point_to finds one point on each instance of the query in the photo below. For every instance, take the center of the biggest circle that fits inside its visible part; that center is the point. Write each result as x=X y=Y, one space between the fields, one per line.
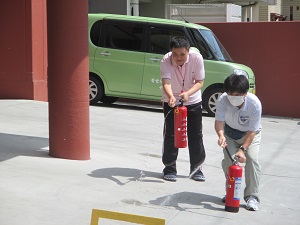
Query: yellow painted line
x=98 y=214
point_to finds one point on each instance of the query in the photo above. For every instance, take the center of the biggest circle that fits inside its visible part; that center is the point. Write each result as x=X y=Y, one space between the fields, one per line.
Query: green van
x=125 y=54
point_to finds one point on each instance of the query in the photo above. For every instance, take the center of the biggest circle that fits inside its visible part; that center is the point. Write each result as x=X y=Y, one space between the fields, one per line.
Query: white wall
x=156 y=8
x=108 y=6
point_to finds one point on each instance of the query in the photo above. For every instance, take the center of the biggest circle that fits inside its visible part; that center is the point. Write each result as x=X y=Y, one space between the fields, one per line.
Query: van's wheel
x=210 y=100
x=96 y=90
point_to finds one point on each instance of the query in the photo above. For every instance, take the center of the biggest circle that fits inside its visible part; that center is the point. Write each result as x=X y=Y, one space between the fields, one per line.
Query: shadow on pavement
x=131 y=106
x=129 y=173
x=190 y=198
x=12 y=145
x=138 y=105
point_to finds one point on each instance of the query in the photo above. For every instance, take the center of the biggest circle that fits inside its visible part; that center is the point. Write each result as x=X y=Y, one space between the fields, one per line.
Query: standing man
x=182 y=74
x=237 y=123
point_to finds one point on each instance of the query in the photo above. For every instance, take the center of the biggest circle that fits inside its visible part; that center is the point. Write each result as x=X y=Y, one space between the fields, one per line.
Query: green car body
x=125 y=54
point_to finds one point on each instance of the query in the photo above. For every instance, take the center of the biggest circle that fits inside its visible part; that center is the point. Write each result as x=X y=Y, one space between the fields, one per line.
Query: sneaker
x=170 y=177
x=252 y=204
x=198 y=176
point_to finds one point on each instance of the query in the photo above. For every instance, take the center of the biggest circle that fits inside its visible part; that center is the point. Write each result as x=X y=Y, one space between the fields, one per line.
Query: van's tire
x=108 y=99
x=96 y=90
x=210 y=100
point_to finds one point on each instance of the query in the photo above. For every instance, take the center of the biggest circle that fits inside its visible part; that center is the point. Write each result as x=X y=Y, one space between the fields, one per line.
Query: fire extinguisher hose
x=232 y=160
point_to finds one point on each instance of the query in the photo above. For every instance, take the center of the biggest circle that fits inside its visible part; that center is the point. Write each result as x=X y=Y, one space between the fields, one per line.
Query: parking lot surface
x=124 y=173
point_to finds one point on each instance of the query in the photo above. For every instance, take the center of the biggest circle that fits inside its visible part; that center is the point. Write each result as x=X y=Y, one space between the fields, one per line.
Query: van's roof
x=97 y=16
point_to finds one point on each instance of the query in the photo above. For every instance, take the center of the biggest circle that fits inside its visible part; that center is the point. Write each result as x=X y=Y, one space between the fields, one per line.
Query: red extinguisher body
x=180 y=126
x=233 y=187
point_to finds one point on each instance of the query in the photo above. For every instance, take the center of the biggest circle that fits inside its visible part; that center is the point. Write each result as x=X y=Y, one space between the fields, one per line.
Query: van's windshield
x=210 y=47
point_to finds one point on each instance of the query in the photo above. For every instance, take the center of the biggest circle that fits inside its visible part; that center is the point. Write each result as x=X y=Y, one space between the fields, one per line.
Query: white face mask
x=236 y=100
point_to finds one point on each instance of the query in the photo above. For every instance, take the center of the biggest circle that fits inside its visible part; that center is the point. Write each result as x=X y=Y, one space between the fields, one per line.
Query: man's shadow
x=129 y=173
x=189 y=198
x=174 y=200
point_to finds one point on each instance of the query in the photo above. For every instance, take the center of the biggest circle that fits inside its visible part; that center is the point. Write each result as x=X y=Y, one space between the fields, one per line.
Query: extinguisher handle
x=233 y=160
x=236 y=159
x=181 y=102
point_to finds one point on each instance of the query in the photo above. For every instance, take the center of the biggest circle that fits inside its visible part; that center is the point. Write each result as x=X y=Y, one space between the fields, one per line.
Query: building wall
x=275 y=8
x=155 y=8
x=286 y=4
x=272 y=55
x=23 y=44
x=266 y=10
x=263 y=13
x=108 y=6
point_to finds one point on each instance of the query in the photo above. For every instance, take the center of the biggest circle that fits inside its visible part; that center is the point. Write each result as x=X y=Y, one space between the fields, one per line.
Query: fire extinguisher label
x=237 y=188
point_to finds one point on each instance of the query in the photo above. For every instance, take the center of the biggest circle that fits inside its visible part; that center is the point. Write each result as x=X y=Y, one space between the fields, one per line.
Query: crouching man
x=238 y=125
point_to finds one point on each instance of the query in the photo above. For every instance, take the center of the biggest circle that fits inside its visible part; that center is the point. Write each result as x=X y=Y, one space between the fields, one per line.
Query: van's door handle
x=105 y=53
x=155 y=59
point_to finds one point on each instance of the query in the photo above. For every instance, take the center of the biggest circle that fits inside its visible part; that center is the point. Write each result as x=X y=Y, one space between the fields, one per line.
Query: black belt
x=234 y=133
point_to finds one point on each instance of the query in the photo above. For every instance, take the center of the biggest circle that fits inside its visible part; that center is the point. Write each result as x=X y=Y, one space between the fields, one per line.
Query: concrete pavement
x=124 y=172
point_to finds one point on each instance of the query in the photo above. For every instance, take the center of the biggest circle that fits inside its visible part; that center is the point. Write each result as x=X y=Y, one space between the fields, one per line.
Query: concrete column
x=244 y=14
x=68 y=89
x=135 y=7
x=128 y=7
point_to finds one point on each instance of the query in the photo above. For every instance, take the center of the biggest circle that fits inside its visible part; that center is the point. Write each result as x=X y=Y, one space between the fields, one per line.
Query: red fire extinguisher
x=180 y=125
x=233 y=186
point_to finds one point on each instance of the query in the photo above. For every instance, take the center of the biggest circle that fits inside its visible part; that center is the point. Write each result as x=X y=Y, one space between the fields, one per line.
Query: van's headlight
x=241 y=72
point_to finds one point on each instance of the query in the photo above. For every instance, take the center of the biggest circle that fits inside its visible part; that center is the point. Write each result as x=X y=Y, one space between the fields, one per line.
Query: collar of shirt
x=244 y=106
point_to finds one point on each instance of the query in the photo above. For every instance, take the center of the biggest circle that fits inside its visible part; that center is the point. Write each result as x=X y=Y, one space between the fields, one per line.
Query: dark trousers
x=195 y=141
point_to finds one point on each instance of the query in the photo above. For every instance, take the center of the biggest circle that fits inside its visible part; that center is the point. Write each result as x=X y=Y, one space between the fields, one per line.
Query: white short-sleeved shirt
x=192 y=69
x=247 y=118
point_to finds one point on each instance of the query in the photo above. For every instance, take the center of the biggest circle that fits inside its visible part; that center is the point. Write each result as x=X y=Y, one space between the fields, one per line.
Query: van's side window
x=123 y=37
x=160 y=40
x=95 y=32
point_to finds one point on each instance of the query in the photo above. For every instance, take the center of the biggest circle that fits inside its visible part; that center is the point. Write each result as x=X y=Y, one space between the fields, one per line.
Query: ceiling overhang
x=236 y=2
x=242 y=2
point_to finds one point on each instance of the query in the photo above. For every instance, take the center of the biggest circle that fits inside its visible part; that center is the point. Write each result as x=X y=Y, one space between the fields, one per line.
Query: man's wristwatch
x=242 y=148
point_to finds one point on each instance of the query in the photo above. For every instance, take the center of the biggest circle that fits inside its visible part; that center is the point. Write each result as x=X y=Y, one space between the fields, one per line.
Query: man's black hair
x=236 y=83
x=179 y=42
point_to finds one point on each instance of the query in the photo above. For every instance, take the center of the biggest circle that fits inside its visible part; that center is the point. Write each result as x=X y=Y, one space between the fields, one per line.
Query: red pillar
x=68 y=90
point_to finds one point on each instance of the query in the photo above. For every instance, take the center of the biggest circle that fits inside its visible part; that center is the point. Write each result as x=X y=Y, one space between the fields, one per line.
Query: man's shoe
x=198 y=176
x=170 y=177
x=252 y=204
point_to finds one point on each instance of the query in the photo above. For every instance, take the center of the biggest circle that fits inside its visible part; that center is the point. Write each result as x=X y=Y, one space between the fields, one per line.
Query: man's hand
x=222 y=141
x=184 y=96
x=241 y=156
x=172 y=101
x=219 y=127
